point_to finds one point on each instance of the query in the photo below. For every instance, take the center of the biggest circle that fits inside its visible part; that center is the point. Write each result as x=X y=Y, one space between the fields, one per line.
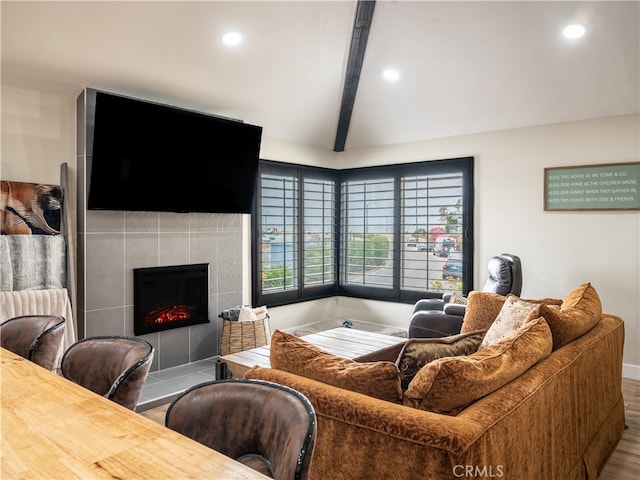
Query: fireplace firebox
x=170 y=297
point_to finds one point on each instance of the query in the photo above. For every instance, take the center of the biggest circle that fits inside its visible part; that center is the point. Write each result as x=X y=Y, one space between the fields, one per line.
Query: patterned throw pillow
x=417 y=352
x=458 y=299
x=514 y=314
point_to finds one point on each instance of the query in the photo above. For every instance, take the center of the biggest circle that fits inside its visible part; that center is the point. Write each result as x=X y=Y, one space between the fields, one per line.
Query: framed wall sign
x=612 y=186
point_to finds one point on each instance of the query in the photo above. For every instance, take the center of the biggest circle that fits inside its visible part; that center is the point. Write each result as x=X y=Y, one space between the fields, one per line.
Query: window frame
x=463 y=165
x=301 y=293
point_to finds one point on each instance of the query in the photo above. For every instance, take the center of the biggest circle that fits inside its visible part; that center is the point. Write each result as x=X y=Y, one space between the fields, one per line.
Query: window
x=294 y=250
x=390 y=233
x=406 y=230
x=367 y=234
x=432 y=220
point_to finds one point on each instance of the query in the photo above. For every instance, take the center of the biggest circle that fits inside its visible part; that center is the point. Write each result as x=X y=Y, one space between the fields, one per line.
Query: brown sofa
x=560 y=419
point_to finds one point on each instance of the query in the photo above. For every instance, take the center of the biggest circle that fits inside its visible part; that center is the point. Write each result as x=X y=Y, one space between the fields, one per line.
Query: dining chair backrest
x=115 y=367
x=269 y=427
x=35 y=337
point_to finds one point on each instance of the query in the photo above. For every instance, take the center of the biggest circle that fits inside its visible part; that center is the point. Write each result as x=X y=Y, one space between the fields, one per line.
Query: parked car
x=452 y=267
x=424 y=247
x=443 y=246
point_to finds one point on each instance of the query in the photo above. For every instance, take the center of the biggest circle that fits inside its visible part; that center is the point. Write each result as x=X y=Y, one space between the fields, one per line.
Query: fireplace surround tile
x=204 y=340
x=109 y=284
x=203 y=245
x=204 y=222
x=101 y=221
x=230 y=223
x=105 y=261
x=141 y=221
x=105 y=321
x=173 y=348
x=174 y=222
x=230 y=254
x=203 y=248
x=141 y=250
x=173 y=248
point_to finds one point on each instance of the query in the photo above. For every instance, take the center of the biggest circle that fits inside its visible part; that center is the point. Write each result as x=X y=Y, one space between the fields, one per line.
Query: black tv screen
x=152 y=157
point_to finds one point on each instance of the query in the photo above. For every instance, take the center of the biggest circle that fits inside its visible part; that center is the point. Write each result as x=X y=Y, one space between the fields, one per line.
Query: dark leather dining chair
x=35 y=337
x=436 y=317
x=115 y=367
x=268 y=427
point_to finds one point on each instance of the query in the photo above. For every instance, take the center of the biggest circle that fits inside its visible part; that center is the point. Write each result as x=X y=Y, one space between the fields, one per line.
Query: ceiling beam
x=361 y=27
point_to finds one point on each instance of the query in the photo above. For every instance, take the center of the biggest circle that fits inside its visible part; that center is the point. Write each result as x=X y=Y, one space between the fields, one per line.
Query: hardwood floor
x=624 y=463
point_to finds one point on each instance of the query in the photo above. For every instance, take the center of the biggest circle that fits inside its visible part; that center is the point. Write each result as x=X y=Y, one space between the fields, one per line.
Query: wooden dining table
x=54 y=429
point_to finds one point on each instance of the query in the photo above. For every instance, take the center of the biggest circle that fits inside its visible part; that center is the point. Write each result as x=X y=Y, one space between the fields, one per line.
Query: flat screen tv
x=152 y=157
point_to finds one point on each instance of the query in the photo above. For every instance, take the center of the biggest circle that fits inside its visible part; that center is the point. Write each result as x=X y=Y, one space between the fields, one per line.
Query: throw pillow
x=458 y=299
x=449 y=385
x=514 y=313
x=578 y=314
x=584 y=298
x=417 y=352
x=482 y=309
x=295 y=355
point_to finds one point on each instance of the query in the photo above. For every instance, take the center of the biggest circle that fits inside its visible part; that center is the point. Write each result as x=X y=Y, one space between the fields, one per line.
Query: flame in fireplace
x=168 y=314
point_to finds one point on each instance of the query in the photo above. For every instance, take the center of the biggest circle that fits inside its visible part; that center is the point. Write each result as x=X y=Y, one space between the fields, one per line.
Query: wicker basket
x=238 y=336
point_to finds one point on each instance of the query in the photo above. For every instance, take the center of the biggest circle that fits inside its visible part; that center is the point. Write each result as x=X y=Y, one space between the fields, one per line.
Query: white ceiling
x=465 y=67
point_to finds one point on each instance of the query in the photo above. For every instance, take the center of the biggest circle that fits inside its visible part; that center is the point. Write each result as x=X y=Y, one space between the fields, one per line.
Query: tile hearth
x=164 y=385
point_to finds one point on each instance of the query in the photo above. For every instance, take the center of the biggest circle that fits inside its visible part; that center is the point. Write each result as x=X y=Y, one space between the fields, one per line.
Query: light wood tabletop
x=54 y=429
x=359 y=345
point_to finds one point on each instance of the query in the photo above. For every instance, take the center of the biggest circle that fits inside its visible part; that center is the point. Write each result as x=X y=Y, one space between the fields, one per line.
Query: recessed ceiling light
x=390 y=75
x=574 y=31
x=232 y=39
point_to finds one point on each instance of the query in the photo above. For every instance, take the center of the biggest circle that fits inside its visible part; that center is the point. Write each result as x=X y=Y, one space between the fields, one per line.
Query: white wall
x=38 y=134
x=559 y=250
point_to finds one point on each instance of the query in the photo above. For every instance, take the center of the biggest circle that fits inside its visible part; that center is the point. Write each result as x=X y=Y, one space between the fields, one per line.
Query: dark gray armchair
x=436 y=317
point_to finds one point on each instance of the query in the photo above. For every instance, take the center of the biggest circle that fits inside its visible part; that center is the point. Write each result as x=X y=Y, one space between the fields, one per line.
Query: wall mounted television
x=152 y=157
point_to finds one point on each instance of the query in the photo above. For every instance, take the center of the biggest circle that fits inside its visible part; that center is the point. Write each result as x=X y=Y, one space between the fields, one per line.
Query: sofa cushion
x=578 y=314
x=449 y=385
x=417 y=352
x=482 y=309
x=514 y=313
x=295 y=355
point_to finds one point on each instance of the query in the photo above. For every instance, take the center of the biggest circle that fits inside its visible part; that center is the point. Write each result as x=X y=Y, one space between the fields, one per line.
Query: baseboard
x=631 y=371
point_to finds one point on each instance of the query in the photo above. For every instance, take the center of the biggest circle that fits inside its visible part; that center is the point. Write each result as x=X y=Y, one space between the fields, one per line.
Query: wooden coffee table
x=358 y=345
